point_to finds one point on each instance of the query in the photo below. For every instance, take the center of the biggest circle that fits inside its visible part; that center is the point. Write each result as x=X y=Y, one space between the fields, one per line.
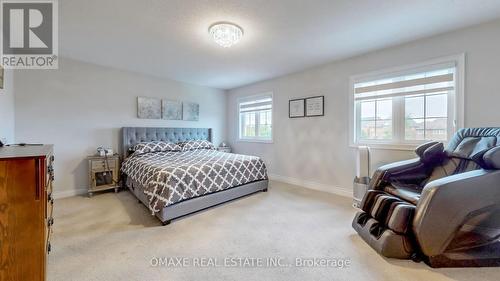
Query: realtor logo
x=29 y=34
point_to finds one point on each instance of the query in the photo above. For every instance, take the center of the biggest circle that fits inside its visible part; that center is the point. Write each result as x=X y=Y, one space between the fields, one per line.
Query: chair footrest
x=391 y=212
x=383 y=240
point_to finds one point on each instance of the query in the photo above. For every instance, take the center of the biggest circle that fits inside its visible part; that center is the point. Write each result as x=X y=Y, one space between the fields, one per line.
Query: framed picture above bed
x=171 y=109
x=1 y=78
x=148 y=108
x=315 y=106
x=296 y=108
x=190 y=111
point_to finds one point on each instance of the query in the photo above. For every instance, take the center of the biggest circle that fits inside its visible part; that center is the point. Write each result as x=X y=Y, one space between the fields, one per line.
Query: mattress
x=171 y=177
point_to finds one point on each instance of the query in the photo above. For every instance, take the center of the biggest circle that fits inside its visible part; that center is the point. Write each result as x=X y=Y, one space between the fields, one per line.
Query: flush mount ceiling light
x=225 y=34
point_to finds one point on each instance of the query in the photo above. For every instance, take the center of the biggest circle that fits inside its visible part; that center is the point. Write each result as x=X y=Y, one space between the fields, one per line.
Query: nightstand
x=224 y=149
x=104 y=173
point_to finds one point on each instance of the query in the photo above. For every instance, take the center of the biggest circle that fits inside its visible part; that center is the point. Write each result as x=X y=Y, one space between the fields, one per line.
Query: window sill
x=255 y=140
x=386 y=146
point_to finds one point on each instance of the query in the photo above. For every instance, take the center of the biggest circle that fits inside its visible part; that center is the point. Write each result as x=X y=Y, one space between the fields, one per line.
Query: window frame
x=255 y=139
x=455 y=120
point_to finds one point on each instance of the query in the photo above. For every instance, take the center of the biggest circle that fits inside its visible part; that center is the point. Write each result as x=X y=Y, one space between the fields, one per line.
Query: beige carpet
x=111 y=237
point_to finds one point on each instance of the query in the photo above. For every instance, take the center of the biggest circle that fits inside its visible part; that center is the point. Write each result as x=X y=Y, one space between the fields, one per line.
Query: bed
x=175 y=184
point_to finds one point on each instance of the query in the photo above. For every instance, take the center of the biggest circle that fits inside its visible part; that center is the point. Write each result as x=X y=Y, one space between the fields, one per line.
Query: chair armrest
x=421 y=148
x=446 y=203
x=401 y=171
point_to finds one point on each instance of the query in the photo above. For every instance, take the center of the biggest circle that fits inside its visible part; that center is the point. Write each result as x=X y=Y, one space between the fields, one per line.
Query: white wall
x=7 y=108
x=82 y=106
x=315 y=151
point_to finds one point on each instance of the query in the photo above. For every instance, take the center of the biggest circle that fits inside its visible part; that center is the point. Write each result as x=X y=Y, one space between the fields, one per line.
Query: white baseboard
x=69 y=193
x=313 y=185
x=304 y=183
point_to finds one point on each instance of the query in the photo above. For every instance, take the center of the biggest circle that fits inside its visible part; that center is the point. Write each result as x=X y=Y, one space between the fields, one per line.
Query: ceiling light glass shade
x=225 y=34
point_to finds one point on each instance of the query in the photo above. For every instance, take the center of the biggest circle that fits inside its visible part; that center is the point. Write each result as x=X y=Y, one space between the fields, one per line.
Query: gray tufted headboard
x=134 y=135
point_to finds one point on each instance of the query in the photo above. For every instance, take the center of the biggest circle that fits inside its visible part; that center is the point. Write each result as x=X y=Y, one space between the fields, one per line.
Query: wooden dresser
x=26 y=175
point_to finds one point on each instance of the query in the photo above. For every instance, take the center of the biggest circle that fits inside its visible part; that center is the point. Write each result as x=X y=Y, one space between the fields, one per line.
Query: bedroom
x=300 y=91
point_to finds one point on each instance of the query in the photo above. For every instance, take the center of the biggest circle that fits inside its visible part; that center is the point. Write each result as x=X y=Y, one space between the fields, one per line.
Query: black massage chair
x=442 y=207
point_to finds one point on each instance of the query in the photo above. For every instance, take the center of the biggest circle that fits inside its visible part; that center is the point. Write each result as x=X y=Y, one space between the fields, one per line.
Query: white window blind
x=255 y=115
x=260 y=104
x=406 y=107
x=431 y=81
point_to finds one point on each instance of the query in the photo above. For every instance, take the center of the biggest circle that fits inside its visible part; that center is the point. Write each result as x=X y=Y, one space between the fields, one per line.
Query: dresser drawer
x=25 y=178
x=101 y=164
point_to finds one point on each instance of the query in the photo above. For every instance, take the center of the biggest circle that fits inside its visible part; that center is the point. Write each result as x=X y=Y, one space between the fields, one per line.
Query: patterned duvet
x=171 y=177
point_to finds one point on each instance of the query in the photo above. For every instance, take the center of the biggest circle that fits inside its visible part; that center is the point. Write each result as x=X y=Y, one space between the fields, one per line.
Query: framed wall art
x=171 y=110
x=190 y=111
x=148 y=108
x=296 y=108
x=315 y=106
x=1 y=78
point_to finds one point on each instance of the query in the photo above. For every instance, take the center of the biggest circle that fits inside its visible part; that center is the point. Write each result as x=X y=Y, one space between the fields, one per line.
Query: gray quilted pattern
x=155 y=146
x=197 y=144
x=171 y=177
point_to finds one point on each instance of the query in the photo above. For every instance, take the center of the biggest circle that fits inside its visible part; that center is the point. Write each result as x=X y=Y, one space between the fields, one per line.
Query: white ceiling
x=169 y=38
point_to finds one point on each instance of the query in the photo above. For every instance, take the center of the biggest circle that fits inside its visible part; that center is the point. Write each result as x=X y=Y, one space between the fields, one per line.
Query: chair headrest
x=472 y=143
x=492 y=158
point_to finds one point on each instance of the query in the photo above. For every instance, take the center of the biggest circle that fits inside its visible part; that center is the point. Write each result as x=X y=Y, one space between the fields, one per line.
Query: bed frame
x=134 y=135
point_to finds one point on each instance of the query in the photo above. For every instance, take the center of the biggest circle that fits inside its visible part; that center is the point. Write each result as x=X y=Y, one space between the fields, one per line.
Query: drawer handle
x=50 y=169
x=50 y=199
x=50 y=221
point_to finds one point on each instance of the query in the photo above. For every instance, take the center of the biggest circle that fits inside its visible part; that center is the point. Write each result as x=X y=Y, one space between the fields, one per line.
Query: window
x=407 y=106
x=256 y=118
